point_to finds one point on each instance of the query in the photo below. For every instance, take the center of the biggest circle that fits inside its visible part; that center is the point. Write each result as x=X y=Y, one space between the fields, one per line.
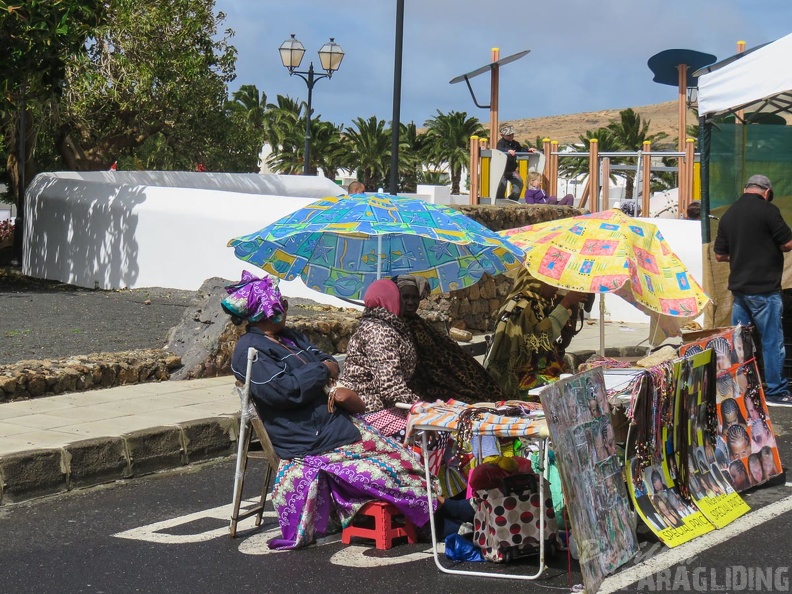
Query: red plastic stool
x=382 y=522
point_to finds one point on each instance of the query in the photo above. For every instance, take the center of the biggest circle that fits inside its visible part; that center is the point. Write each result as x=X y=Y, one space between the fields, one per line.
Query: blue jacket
x=289 y=396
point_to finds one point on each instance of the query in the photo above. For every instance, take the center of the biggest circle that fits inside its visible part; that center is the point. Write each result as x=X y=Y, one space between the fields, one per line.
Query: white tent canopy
x=759 y=81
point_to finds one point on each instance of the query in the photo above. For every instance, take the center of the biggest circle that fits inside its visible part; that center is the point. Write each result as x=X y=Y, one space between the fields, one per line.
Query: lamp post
x=330 y=55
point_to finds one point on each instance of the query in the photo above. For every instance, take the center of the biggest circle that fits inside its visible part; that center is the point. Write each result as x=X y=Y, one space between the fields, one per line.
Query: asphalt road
x=169 y=533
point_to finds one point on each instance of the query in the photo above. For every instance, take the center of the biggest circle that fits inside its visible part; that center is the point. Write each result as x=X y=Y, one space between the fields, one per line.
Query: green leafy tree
x=38 y=38
x=448 y=141
x=154 y=69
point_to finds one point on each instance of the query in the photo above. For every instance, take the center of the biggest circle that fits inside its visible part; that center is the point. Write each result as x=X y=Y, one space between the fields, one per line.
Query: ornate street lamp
x=330 y=56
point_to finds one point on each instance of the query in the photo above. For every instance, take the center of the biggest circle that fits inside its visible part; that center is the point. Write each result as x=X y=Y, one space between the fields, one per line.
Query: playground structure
x=486 y=167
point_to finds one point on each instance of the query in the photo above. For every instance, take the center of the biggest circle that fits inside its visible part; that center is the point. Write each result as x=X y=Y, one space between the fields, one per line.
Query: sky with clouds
x=584 y=55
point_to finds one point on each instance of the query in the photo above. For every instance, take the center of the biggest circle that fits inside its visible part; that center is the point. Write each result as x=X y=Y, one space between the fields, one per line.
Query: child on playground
x=536 y=195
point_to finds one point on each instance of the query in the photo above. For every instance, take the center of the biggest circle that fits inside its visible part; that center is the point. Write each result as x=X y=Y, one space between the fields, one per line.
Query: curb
x=88 y=463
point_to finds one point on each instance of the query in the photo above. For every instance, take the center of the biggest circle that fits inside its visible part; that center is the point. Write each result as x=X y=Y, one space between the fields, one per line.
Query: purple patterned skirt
x=311 y=491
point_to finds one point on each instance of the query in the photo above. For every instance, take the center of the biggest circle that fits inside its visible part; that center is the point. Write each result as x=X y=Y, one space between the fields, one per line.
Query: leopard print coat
x=380 y=360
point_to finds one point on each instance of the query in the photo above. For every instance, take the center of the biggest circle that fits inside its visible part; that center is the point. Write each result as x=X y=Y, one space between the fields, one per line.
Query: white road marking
x=684 y=552
x=153 y=532
x=256 y=543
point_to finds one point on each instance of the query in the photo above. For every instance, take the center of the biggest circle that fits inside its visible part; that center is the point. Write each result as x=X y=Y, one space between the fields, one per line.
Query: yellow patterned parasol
x=609 y=252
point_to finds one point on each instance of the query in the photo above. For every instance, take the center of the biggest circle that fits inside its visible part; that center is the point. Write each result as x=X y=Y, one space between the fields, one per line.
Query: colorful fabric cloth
x=340 y=245
x=381 y=360
x=310 y=492
x=445 y=416
x=253 y=299
x=611 y=252
x=390 y=422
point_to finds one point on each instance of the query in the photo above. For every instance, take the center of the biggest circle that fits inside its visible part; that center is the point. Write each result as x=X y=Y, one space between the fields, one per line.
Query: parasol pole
x=379 y=256
x=602 y=325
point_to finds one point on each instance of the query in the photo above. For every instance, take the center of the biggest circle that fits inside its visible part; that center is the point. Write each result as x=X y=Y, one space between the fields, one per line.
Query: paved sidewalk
x=58 y=443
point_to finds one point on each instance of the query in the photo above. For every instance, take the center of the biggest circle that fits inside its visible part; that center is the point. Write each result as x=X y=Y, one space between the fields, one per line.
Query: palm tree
x=411 y=148
x=537 y=144
x=630 y=131
x=369 y=150
x=249 y=105
x=448 y=141
x=327 y=148
x=281 y=119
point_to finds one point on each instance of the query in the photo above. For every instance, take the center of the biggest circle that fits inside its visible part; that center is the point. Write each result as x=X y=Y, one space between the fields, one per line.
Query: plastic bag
x=459 y=548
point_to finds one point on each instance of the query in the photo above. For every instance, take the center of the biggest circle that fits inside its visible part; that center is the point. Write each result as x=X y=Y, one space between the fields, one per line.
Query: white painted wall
x=116 y=230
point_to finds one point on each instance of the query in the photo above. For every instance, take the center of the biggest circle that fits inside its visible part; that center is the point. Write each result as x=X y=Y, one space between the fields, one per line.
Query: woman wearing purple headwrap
x=331 y=464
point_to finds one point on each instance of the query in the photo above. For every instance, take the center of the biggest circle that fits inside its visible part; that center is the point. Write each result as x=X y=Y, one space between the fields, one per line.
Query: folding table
x=444 y=416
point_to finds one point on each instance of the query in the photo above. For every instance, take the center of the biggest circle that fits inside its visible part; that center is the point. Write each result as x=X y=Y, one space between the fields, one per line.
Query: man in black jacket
x=511 y=147
x=752 y=236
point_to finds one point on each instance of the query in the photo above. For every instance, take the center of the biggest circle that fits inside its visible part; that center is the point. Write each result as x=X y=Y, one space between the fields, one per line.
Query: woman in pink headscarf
x=381 y=359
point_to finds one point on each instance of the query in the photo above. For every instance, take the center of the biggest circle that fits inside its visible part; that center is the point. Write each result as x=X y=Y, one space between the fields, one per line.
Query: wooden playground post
x=682 y=178
x=605 y=183
x=494 y=84
x=473 y=170
x=690 y=158
x=682 y=106
x=646 y=180
x=553 y=181
x=584 y=194
x=594 y=174
x=548 y=164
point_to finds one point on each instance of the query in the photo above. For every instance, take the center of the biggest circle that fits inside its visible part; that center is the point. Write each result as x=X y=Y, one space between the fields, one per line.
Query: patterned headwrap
x=383 y=293
x=254 y=299
x=419 y=282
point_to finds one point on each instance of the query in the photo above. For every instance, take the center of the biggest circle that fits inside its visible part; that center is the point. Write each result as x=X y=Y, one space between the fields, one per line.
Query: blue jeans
x=765 y=312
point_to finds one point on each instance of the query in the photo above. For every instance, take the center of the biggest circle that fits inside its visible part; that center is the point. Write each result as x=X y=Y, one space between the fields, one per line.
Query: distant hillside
x=567 y=128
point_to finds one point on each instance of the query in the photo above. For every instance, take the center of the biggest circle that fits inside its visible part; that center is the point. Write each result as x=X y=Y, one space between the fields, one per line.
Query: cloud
x=585 y=56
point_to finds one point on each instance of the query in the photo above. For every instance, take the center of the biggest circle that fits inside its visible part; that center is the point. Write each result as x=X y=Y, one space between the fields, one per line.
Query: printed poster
x=745 y=446
x=652 y=480
x=709 y=488
x=579 y=420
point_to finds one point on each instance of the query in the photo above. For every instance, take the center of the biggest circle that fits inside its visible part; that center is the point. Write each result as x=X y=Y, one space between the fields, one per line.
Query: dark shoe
x=783 y=400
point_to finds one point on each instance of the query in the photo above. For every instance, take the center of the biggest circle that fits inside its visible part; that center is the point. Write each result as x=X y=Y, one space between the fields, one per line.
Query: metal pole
x=18 y=247
x=397 y=71
x=307 y=162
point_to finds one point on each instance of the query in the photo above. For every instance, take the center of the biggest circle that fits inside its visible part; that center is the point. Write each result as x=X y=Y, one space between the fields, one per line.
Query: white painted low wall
x=114 y=230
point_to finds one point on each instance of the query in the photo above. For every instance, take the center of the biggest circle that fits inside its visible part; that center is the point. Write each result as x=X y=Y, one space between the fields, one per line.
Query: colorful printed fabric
x=340 y=245
x=312 y=492
x=390 y=422
x=253 y=298
x=611 y=252
x=445 y=416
